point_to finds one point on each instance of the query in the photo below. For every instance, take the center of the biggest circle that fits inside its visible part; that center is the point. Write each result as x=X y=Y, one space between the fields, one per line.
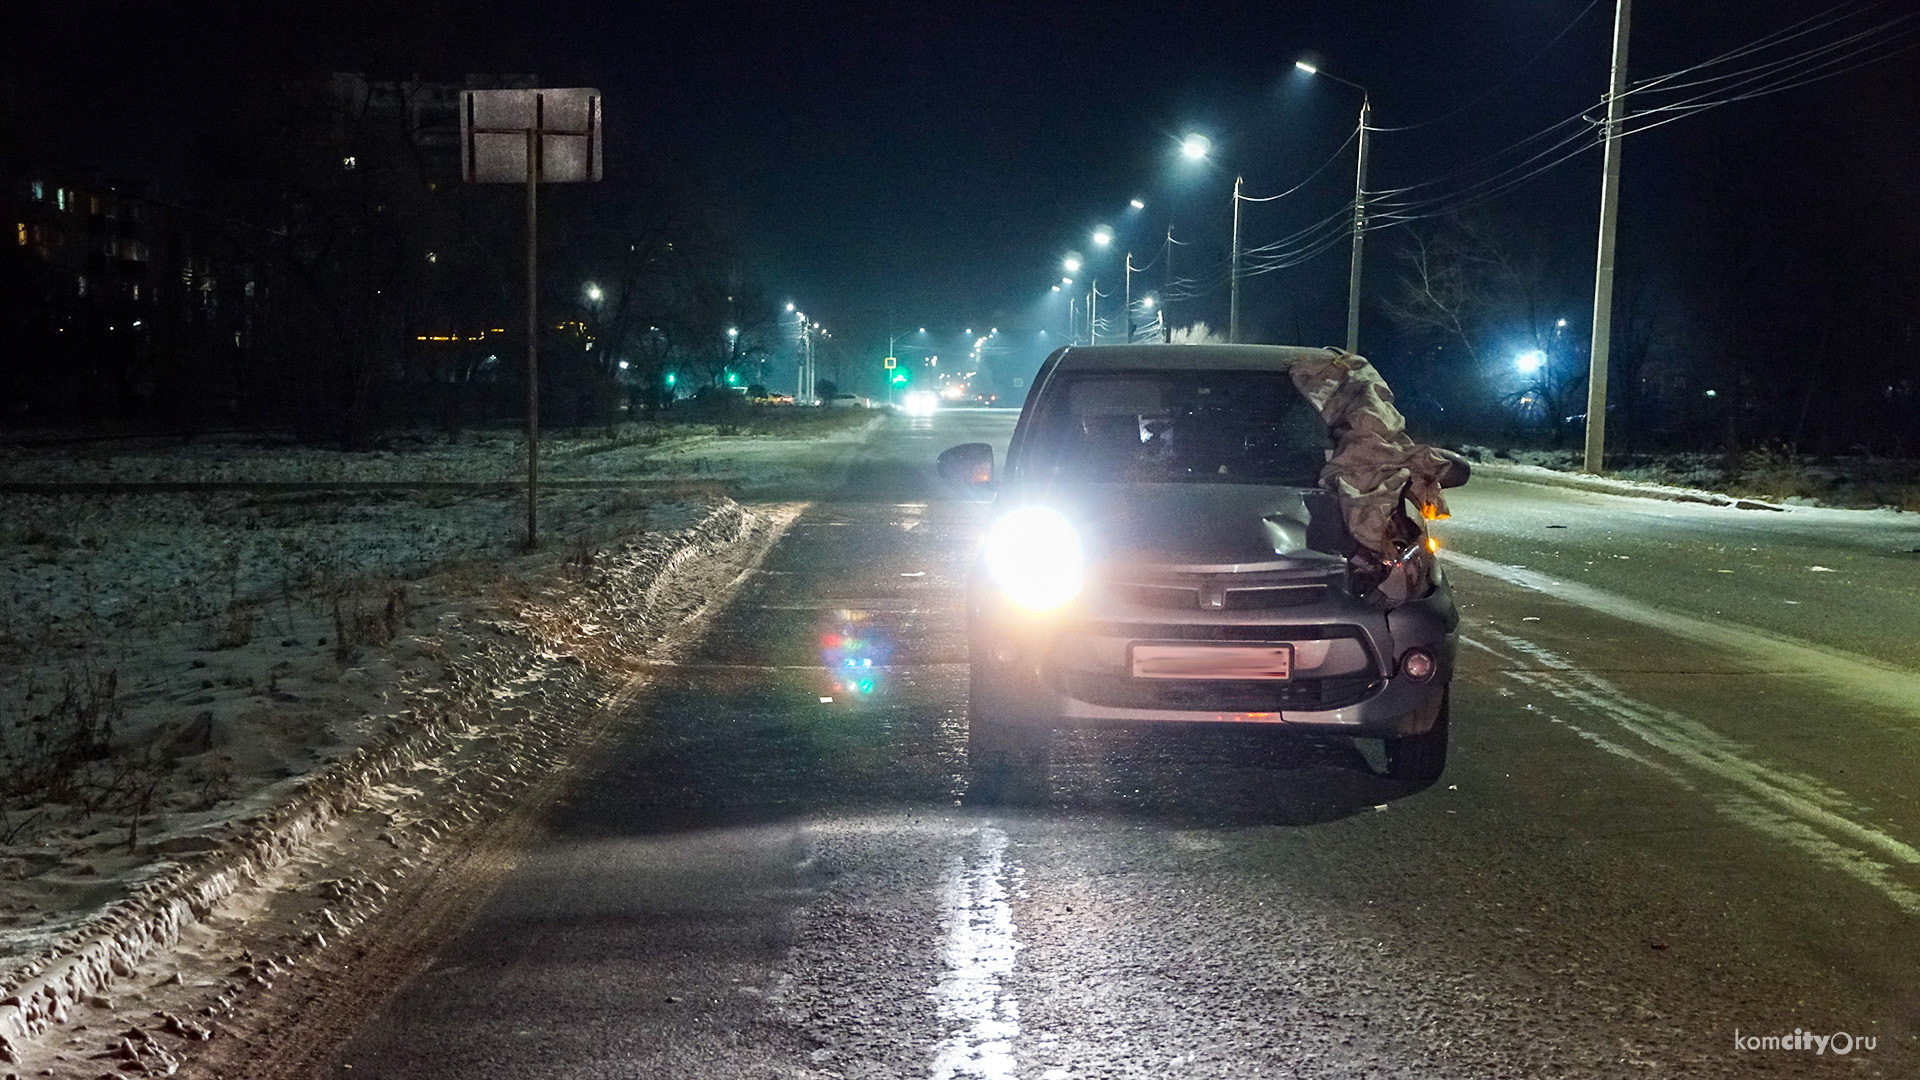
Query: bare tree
x=1474 y=283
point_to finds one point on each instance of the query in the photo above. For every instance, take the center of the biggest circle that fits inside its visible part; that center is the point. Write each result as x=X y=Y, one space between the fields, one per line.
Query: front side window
x=1158 y=427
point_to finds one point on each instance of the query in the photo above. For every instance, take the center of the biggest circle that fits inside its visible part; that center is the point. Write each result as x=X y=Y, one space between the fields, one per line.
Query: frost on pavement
x=269 y=663
x=980 y=1014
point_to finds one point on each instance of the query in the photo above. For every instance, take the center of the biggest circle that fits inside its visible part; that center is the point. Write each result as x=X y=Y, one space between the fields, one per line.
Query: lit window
x=23 y=234
x=347 y=162
x=83 y=284
x=60 y=197
x=39 y=191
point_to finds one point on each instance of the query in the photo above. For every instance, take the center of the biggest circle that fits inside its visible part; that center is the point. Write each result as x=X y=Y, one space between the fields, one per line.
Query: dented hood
x=1201 y=525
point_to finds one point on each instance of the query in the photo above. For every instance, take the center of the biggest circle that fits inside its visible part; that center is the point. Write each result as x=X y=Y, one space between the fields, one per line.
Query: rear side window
x=1146 y=427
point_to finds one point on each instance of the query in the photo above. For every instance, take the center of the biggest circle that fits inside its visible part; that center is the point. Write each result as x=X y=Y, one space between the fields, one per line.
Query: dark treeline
x=1748 y=312
x=322 y=270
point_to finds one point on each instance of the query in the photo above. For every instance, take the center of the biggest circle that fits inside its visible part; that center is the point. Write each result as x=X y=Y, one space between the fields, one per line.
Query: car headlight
x=1034 y=556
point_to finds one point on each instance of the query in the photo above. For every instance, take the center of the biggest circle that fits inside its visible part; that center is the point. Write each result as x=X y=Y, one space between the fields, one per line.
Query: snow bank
x=502 y=661
x=249 y=665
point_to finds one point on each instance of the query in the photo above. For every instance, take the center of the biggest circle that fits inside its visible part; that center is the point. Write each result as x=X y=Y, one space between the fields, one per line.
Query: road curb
x=1606 y=485
x=91 y=959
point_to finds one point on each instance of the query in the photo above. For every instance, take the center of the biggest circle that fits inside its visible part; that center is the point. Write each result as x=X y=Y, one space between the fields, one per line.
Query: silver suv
x=1163 y=551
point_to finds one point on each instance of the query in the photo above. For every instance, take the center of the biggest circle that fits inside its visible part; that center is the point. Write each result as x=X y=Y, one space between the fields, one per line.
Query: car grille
x=1219 y=592
x=1157 y=596
x=1123 y=692
x=1273 y=597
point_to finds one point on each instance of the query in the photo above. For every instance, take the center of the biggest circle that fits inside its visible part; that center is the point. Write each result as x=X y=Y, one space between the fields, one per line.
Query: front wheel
x=1008 y=762
x=1418 y=760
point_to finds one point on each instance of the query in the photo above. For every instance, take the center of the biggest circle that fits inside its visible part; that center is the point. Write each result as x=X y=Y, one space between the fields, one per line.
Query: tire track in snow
x=1863 y=679
x=981 y=1016
x=1818 y=820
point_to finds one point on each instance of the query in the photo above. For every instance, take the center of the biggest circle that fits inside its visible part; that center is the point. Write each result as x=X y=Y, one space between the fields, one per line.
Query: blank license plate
x=1213 y=661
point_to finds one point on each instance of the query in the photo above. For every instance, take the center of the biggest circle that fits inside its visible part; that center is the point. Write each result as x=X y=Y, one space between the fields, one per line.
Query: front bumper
x=1073 y=668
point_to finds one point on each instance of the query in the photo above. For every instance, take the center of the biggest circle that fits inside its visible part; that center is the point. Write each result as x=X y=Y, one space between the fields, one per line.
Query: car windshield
x=1231 y=427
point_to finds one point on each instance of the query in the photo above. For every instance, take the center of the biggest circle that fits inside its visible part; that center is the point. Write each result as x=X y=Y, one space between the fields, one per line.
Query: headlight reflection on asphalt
x=1034 y=555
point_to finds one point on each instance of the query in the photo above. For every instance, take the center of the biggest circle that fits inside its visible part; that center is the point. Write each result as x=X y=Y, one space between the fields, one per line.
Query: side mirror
x=1457 y=470
x=968 y=463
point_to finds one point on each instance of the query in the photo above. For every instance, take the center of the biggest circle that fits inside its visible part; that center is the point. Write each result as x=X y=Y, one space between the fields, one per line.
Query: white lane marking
x=982 y=1016
x=1865 y=680
x=1799 y=810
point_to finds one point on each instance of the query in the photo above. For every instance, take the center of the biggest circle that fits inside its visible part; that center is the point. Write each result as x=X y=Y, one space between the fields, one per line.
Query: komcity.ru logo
x=1839 y=1042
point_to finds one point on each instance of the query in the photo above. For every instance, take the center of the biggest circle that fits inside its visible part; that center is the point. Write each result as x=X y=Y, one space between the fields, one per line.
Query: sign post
x=530 y=137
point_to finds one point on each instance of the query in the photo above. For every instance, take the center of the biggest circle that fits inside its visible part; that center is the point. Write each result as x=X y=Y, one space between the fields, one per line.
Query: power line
x=1512 y=75
x=1337 y=154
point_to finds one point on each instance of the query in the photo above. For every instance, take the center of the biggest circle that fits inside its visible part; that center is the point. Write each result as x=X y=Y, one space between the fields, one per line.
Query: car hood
x=1197 y=526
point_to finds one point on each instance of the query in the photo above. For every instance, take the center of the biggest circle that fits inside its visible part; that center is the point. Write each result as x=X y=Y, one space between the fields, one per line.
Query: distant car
x=920 y=403
x=1163 y=552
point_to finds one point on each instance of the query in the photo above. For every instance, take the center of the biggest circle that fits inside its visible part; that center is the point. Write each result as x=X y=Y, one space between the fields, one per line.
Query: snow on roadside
x=1774 y=478
x=177 y=668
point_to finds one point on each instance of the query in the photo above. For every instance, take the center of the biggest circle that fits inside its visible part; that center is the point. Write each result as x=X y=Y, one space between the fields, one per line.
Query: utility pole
x=534 y=173
x=1129 y=300
x=1603 y=268
x=1233 y=276
x=1166 y=290
x=1359 y=230
x=1093 y=311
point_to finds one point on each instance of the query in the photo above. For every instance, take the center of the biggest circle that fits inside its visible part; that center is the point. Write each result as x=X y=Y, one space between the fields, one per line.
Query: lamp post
x=1359 y=204
x=1233 y=275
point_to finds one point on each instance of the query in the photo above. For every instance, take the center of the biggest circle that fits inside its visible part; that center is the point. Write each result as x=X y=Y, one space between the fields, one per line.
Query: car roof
x=1187 y=357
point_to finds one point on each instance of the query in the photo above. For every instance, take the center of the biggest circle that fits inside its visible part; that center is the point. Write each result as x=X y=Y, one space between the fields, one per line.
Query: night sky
x=928 y=164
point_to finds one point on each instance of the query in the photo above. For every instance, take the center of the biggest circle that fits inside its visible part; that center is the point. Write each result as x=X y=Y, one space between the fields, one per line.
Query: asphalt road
x=1680 y=814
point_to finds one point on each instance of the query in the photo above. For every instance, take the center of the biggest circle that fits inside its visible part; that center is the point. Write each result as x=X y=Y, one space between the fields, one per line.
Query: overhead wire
x=1785 y=33
x=1337 y=155
x=1790 y=84
x=1497 y=87
x=1570 y=137
x=1808 y=66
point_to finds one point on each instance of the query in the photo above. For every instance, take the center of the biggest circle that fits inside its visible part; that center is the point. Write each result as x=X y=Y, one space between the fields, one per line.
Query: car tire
x=1418 y=760
x=1008 y=762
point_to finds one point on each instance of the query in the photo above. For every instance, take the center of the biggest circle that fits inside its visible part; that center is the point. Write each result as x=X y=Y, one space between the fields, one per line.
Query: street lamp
x=1530 y=362
x=1359 y=204
x=1103 y=236
x=1136 y=204
x=1196 y=147
x=593 y=292
x=1071 y=263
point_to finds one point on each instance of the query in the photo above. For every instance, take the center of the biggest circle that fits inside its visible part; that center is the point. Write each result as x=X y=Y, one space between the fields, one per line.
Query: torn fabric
x=1375 y=464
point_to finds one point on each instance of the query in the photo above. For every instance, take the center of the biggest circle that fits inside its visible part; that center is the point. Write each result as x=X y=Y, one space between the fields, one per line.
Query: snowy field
x=175 y=659
x=1856 y=483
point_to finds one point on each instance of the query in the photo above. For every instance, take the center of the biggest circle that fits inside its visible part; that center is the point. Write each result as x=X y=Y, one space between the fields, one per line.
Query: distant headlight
x=1034 y=556
x=921 y=403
